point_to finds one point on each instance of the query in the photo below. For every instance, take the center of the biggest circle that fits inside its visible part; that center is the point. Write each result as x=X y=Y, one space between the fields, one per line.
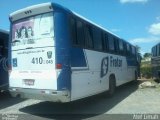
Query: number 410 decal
x=40 y=60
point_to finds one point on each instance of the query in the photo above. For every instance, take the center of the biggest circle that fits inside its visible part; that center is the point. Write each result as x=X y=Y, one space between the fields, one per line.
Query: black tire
x=112 y=86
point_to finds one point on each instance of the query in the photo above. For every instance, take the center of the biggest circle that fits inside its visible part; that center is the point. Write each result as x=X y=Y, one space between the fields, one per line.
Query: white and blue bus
x=4 y=38
x=57 y=55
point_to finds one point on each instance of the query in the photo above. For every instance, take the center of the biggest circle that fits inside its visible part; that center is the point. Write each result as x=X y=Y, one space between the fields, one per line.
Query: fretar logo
x=109 y=61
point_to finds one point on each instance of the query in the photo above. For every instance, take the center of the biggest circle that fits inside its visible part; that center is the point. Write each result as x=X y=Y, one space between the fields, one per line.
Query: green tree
x=146 y=55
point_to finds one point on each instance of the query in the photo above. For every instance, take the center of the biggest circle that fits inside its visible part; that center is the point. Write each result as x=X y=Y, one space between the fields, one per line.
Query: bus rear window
x=32 y=30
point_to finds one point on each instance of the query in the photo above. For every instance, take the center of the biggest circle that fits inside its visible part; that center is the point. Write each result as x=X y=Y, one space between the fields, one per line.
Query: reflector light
x=58 y=66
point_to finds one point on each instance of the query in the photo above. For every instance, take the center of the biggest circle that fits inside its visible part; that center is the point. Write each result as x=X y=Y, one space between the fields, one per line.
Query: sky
x=136 y=21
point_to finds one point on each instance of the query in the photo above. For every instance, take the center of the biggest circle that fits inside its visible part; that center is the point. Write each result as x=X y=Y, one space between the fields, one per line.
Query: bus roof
x=155 y=45
x=4 y=31
x=18 y=12
x=16 y=15
x=94 y=23
x=26 y=12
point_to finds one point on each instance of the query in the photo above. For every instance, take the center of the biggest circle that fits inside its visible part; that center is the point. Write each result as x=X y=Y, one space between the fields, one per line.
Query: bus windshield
x=36 y=31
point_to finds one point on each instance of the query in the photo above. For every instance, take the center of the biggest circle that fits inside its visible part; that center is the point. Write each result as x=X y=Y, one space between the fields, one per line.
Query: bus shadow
x=81 y=109
x=6 y=100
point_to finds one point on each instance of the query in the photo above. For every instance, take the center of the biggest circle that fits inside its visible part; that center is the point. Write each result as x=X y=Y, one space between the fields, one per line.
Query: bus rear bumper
x=47 y=95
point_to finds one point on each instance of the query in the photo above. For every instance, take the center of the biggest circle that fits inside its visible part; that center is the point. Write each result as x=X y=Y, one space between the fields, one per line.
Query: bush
x=146 y=71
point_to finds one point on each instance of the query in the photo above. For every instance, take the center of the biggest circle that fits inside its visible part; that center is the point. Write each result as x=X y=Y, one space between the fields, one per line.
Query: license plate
x=29 y=82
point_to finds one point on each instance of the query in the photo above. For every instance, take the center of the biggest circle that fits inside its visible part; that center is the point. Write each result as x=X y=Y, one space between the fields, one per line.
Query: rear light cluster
x=58 y=66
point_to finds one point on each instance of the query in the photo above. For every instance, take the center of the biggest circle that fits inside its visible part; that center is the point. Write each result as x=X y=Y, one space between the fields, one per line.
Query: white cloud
x=133 y=1
x=145 y=40
x=155 y=29
x=158 y=18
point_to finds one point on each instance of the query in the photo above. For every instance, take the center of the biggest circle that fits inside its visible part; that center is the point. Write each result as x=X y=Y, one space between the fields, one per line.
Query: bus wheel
x=112 y=85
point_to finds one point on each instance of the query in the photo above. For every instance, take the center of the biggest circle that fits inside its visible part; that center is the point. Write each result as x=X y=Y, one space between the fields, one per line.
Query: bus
x=60 y=56
x=4 y=38
x=155 y=62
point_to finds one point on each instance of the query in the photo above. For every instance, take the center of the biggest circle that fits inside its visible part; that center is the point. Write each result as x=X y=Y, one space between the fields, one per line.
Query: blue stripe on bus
x=66 y=55
x=62 y=51
x=78 y=58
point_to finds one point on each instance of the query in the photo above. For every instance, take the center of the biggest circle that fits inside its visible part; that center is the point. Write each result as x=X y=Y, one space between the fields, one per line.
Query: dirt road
x=128 y=99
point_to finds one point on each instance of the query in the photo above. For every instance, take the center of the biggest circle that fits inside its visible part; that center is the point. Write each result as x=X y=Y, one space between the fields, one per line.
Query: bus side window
x=88 y=37
x=133 y=51
x=111 y=44
x=73 y=31
x=152 y=51
x=116 y=45
x=80 y=33
x=128 y=49
x=125 y=48
x=121 y=47
x=105 y=42
x=157 y=50
x=97 y=38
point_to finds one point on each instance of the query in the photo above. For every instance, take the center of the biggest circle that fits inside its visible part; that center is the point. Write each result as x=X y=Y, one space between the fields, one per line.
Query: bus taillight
x=58 y=66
